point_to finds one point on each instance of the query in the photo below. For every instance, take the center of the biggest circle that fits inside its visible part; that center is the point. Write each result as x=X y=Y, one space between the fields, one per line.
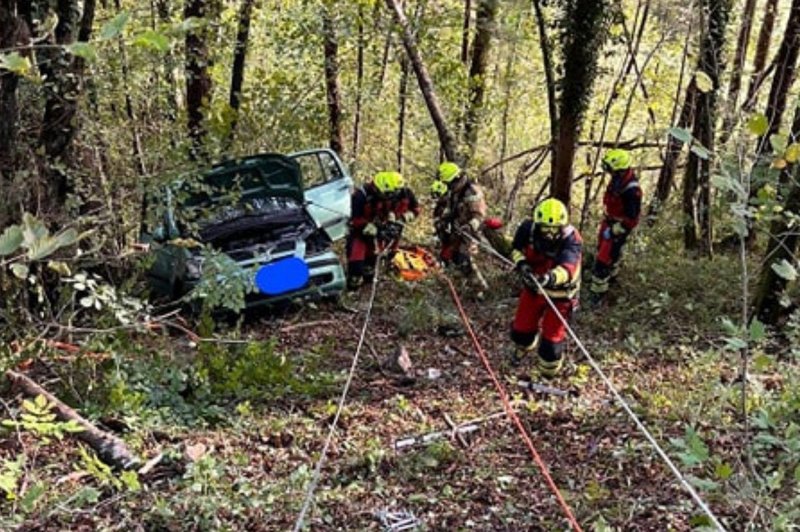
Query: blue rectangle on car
x=282 y=276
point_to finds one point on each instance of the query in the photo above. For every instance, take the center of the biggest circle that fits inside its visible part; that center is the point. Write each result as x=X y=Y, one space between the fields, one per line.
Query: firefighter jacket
x=368 y=206
x=464 y=203
x=623 y=199
x=561 y=257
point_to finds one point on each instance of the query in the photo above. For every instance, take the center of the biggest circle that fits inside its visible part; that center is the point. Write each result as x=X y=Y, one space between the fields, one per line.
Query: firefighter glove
x=526 y=275
x=547 y=280
x=391 y=231
x=391 y=217
x=475 y=225
x=370 y=230
x=408 y=216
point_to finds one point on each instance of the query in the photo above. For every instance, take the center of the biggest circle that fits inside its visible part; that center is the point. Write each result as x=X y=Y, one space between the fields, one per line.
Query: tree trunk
x=783 y=246
x=198 y=79
x=239 y=57
x=465 y=31
x=401 y=112
x=785 y=67
x=446 y=139
x=735 y=84
x=583 y=35
x=13 y=32
x=762 y=51
x=508 y=81
x=550 y=81
x=332 y=79
x=666 y=176
x=109 y=447
x=63 y=75
x=359 y=87
x=697 y=179
x=485 y=27
x=173 y=96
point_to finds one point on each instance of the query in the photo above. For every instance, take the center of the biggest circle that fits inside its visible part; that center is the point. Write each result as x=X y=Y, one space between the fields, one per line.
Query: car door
x=327 y=189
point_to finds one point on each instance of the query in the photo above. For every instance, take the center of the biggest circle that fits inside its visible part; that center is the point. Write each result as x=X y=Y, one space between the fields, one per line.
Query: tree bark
x=359 y=87
x=762 y=51
x=465 y=31
x=109 y=448
x=13 y=32
x=666 y=176
x=332 y=79
x=735 y=84
x=550 y=81
x=783 y=245
x=239 y=57
x=446 y=139
x=697 y=180
x=64 y=75
x=485 y=27
x=785 y=64
x=198 y=79
x=401 y=112
x=582 y=39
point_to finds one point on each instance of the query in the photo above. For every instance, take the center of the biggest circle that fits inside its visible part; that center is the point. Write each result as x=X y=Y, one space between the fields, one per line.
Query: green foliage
x=223 y=283
x=10 y=473
x=14 y=62
x=257 y=371
x=103 y=474
x=38 y=419
x=113 y=28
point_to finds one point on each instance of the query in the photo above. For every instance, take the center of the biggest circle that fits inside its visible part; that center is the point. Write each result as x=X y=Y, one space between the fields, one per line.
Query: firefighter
x=458 y=218
x=548 y=250
x=622 y=205
x=379 y=211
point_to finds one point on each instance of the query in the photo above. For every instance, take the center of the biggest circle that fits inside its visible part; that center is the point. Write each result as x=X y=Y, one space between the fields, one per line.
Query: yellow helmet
x=388 y=182
x=551 y=212
x=438 y=189
x=616 y=160
x=448 y=171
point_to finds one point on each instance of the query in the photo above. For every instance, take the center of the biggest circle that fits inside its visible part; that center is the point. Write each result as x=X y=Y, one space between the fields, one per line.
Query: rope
x=318 y=469
x=508 y=408
x=675 y=471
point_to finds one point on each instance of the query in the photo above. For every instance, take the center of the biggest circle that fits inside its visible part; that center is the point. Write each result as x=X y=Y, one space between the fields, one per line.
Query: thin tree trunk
x=550 y=81
x=332 y=79
x=735 y=84
x=697 y=181
x=237 y=71
x=173 y=99
x=447 y=140
x=508 y=86
x=762 y=51
x=359 y=87
x=465 y=31
x=401 y=112
x=198 y=79
x=481 y=48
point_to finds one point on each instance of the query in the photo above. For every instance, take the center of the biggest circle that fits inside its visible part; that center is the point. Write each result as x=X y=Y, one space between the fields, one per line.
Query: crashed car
x=272 y=214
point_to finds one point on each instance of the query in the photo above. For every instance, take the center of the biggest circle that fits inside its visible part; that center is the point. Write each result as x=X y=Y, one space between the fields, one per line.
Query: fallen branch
x=304 y=325
x=109 y=448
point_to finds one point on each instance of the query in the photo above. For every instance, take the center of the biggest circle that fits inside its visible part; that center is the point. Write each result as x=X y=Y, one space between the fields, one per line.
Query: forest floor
x=241 y=419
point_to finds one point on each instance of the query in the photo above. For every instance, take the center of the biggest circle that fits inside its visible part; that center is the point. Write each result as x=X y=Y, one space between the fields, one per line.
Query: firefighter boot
x=547 y=369
x=520 y=353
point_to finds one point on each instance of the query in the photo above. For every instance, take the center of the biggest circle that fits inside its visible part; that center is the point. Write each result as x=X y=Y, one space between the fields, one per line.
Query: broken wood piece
x=459 y=436
x=463 y=428
x=150 y=464
x=109 y=448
